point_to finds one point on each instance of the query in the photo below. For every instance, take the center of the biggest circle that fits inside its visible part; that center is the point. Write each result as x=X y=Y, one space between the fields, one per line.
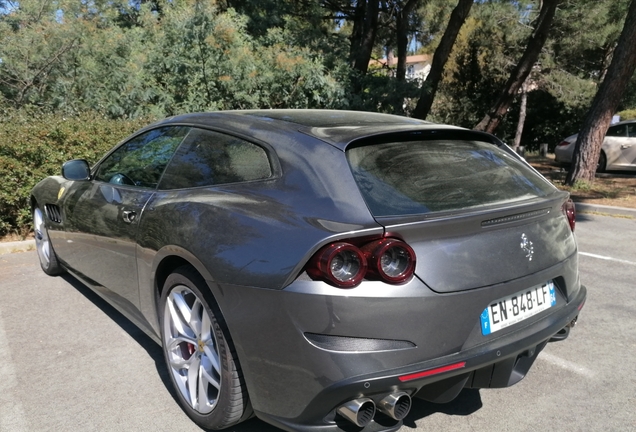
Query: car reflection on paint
x=318 y=269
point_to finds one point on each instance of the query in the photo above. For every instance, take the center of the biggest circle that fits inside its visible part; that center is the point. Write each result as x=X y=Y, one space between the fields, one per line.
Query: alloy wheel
x=42 y=242
x=192 y=349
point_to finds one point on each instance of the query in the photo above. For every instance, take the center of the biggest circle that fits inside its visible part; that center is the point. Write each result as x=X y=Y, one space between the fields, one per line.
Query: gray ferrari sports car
x=319 y=269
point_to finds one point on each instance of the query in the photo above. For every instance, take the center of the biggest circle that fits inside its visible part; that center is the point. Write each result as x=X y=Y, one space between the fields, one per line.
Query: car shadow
x=468 y=401
x=146 y=342
x=153 y=349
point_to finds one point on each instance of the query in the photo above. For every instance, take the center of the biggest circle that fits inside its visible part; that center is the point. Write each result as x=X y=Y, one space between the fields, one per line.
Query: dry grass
x=613 y=188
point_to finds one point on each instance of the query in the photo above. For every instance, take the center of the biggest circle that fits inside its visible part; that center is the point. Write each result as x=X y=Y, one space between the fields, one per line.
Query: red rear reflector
x=430 y=372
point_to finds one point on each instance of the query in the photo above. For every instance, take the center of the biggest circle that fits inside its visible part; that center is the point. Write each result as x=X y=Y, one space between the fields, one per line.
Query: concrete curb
x=605 y=210
x=17 y=246
x=28 y=245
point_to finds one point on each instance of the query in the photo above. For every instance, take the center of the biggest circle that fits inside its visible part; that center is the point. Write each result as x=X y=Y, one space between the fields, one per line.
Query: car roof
x=336 y=127
x=623 y=122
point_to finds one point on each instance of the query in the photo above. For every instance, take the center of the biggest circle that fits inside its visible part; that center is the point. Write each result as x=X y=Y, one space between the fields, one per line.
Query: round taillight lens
x=391 y=260
x=341 y=264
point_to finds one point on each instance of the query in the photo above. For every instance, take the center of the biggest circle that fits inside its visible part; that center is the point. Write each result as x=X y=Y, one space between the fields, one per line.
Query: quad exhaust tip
x=395 y=405
x=360 y=412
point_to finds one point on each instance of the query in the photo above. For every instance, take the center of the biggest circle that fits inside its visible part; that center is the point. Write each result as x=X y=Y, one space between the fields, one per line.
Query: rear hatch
x=474 y=213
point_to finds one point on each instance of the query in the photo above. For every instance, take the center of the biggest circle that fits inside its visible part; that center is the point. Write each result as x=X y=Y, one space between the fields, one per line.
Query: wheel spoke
x=207 y=376
x=177 y=306
x=182 y=306
x=213 y=357
x=206 y=327
x=204 y=403
x=193 y=375
x=195 y=320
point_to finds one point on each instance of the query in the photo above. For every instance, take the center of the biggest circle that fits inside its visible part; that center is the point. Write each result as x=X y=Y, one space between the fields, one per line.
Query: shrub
x=629 y=114
x=35 y=146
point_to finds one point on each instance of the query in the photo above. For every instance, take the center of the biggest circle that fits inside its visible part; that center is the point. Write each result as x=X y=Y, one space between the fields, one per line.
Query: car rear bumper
x=299 y=367
x=500 y=363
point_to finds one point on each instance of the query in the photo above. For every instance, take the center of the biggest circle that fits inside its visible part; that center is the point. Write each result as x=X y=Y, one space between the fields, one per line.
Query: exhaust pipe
x=358 y=411
x=395 y=405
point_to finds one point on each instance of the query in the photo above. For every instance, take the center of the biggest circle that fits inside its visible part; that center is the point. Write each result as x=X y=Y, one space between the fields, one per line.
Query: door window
x=142 y=160
x=616 y=131
x=209 y=158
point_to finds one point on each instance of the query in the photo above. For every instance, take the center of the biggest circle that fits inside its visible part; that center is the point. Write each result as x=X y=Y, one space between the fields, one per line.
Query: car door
x=102 y=215
x=628 y=148
x=615 y=138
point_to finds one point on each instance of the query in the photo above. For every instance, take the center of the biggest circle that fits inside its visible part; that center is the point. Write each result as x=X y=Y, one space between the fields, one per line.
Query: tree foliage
x=158 y=58
x=132 y=59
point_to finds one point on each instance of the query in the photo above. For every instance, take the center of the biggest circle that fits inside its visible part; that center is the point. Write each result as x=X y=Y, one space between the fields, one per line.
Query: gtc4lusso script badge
x=510 y=310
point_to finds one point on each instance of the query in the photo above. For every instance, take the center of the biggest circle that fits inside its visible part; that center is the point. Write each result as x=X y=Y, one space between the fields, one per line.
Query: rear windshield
x=415 y=177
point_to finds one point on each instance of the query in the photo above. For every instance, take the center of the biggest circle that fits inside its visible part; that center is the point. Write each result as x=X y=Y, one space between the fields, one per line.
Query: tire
x=46 y=254
x=194 y=333
x=602 y=163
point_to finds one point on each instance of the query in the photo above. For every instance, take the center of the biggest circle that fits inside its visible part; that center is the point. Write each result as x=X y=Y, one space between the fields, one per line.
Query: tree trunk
x=519 y=74
x=356 y=32
x=588 y=144
x=430 y=85
x=522 y=117
x=402 y=30
x=369 y=29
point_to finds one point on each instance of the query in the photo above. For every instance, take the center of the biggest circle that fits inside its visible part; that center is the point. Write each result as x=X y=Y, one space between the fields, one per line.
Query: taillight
x=563 y=143
x=570 y=212
x=344 y=265
x=341 y=264
x=390 y=260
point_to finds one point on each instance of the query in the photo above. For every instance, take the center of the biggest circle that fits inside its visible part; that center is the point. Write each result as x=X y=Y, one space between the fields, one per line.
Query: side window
x=142 y=160
x=631 y=130
x=210 y=158
x=616 y=131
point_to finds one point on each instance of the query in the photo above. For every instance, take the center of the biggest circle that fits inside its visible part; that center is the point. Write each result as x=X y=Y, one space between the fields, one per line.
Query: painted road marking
x=566 y=364
x=607 y=258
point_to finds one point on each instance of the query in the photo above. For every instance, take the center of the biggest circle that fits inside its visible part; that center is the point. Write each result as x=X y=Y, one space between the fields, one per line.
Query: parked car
x=618 y=151
x=318 y=269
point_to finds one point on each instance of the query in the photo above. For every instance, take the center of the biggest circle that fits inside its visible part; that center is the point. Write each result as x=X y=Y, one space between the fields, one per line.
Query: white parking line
x=607 y=258
x=11 y=413
x=566 y=364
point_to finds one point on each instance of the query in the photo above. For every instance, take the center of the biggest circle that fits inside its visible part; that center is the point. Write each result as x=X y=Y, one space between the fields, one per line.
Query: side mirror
x=76 y=169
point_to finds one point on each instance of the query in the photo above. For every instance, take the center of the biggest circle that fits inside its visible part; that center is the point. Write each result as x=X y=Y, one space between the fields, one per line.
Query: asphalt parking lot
x=68 y=361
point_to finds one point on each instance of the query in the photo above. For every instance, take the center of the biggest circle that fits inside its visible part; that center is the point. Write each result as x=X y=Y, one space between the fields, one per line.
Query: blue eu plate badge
x=510 y=310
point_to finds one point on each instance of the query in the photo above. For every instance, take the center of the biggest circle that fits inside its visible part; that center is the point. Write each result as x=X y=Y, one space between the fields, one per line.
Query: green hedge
x=35 y=146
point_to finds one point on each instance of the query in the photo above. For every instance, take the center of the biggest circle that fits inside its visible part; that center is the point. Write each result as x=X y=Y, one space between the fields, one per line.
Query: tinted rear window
x=415 y=177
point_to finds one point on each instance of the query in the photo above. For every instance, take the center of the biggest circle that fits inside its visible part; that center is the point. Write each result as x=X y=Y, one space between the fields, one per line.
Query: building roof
x=392 y=61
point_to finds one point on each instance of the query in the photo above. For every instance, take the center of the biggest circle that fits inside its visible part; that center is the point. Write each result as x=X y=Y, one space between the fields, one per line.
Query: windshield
x=415 y=177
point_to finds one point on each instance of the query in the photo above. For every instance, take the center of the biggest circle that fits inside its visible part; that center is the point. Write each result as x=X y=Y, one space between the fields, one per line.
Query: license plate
x=512 y=309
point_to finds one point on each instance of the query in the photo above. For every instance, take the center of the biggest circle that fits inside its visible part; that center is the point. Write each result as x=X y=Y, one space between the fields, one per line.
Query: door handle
x=128 y=216
x=626 y=146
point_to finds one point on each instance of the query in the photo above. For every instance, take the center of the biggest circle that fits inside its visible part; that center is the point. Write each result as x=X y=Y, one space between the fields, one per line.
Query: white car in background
x=617 y=153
